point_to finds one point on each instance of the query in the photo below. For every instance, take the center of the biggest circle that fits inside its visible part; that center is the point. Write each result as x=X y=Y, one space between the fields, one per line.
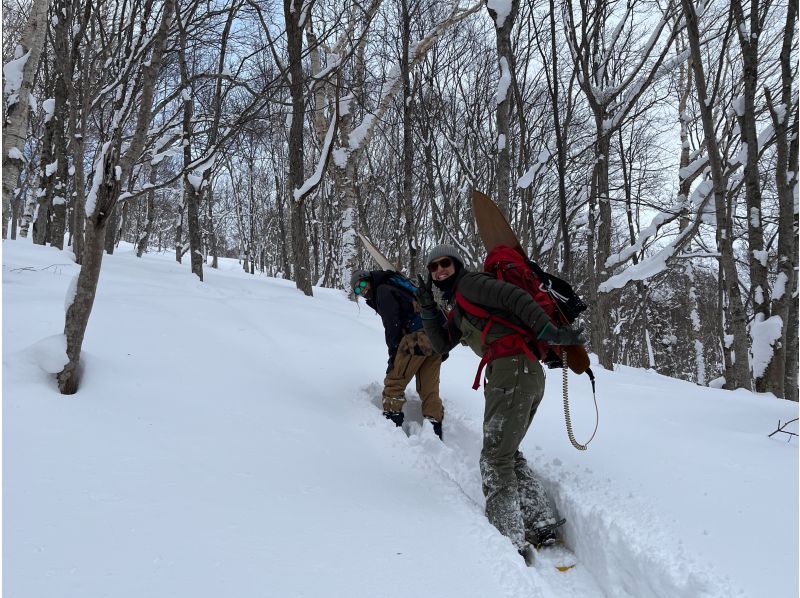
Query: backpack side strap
x=507 y=345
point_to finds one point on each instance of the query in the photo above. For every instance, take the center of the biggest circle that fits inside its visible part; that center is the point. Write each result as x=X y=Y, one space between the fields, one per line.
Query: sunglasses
x=360 y=287
x=443 y=263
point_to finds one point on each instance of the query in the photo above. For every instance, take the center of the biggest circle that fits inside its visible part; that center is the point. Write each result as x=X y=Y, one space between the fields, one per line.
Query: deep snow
x=225 y=441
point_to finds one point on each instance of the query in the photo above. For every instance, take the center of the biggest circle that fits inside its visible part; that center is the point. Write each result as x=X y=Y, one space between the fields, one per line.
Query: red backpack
x=561 y=305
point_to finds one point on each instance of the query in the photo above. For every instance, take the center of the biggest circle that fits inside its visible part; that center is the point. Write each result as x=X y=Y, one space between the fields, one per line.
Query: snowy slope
x=226 y=442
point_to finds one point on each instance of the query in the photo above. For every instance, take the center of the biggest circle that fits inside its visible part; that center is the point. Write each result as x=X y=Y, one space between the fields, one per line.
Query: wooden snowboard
x=495 y=230
x=379 y=258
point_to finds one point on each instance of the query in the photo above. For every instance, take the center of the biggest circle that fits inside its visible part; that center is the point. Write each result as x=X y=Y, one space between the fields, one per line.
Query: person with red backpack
x=391 y=295
x=505 y=326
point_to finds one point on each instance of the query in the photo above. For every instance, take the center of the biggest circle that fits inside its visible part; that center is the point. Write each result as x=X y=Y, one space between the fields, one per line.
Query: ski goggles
x=443 y=263
x=360 y=287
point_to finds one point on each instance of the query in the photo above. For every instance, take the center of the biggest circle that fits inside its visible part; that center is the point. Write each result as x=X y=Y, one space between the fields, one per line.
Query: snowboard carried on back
x=399 y=280
x=507 y=260
x=376 y=254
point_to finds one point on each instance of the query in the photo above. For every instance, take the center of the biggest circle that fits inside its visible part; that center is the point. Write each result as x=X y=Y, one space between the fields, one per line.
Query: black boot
x=545 y=535
x=396 y=416
x=437 y=427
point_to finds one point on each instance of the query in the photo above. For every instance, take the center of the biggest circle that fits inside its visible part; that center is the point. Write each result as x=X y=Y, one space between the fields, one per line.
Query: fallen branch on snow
x=781 y=429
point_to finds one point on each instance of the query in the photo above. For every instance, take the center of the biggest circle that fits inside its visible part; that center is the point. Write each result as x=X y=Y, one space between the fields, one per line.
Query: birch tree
x=18 y=81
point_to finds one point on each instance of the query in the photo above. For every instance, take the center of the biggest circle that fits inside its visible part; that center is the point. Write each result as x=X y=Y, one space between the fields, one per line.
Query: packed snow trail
x=456 y=461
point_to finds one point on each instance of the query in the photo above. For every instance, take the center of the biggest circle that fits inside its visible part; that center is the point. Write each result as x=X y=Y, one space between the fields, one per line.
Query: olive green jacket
x=498 y=297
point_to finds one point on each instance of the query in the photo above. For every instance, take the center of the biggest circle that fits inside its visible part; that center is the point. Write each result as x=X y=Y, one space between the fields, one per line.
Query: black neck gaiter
x=448 y=285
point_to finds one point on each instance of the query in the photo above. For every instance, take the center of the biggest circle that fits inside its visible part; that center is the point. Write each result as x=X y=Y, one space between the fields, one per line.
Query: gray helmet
x=444 y=251
x=357 y=276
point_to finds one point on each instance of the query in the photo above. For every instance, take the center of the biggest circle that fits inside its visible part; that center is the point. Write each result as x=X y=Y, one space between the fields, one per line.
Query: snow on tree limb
x=541 y=161
x=658 y=221
x=364 y=131
x=764 y=334
x=13 y=73
x=501 y=9
x=504 y=82
x=657 y=263
x=315 y=179
x=645 y=269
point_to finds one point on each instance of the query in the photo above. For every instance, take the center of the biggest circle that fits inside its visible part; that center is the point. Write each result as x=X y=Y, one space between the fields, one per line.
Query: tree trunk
x=294 y=43
x=15 y=206
x=603 y=302
x=280 y=202
x=179 y=236
x=107 y=195
x=79 y=104
x=81 y=308
x=792 y=345
x=59 y=202
x=407 y=193
x=759 y=286
x=15 y=130
x=781 y=374
x=150 y=218
x=504 y=23
x=561 y=148
x=190 y=191
x=111 y=229
x=737 y=319
x=46 y=179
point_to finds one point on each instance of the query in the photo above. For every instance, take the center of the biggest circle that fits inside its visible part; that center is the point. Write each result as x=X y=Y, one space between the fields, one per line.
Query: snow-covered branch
x=315 y=179
x=658 y=262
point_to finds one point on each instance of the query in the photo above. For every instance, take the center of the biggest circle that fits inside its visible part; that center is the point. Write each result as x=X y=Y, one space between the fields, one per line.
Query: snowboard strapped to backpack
x=555 y=296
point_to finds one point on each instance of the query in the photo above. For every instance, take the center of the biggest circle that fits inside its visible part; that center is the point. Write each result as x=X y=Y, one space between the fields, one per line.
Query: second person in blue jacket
x=410 y=352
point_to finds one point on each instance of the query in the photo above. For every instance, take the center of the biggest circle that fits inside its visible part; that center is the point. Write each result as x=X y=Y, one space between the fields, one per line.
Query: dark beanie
x=357 y=276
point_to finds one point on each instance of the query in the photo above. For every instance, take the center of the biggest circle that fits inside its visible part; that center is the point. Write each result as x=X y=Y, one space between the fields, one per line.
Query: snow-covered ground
x=225 y=441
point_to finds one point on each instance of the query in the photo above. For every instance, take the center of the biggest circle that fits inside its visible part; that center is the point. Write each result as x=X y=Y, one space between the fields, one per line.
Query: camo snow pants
x=516 y=502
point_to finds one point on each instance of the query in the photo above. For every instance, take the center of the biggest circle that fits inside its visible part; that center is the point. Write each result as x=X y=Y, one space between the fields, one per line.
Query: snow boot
x=437 y=427
x=396 y=416
x=545 y=535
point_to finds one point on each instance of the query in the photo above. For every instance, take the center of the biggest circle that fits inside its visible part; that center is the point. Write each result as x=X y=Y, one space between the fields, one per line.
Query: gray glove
x=425 y=297
x=562 y=335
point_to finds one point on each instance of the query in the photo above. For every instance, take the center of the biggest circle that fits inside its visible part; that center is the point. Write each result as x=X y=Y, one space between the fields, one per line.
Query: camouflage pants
x=516 y=502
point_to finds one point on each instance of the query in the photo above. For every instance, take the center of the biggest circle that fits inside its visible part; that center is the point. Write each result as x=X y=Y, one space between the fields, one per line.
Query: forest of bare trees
x=646 y=150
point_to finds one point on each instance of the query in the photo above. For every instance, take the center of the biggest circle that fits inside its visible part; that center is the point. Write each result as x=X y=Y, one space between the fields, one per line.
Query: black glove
x=425 y=295
x=562 y=335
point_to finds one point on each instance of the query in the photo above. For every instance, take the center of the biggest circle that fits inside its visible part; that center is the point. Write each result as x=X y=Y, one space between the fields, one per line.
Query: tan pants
x=415 y=357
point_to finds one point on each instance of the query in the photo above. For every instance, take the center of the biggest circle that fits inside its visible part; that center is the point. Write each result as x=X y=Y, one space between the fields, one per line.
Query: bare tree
x=134 y=82
x=781 y=374
x=737 y=316
x=612 y=83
